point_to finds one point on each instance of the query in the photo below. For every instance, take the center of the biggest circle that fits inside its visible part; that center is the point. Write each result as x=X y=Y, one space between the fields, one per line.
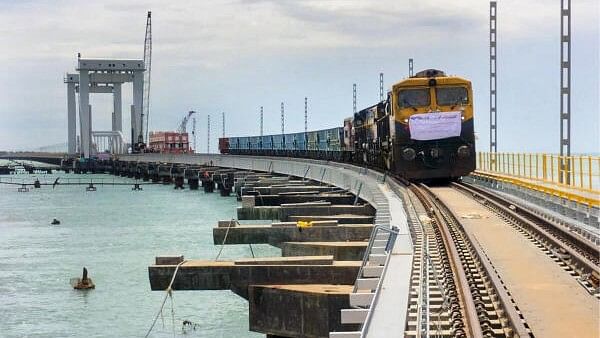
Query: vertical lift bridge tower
x=104 y=76
x=107 y=76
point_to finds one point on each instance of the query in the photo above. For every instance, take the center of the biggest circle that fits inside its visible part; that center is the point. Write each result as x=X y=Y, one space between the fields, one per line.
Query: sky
x=234 y=56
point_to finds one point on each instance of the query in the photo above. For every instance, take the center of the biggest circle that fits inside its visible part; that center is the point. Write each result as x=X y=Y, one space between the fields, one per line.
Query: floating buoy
x=83 y=283
x=55 y=222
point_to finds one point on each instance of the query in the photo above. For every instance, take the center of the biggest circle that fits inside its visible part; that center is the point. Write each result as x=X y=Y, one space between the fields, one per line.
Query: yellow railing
x=581 y=172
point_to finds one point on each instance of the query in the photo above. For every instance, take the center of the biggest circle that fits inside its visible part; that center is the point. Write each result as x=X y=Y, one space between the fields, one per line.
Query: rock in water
x=83 y=283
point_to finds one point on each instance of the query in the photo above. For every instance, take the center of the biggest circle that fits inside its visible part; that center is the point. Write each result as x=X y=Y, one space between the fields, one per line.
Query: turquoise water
x=115 y=233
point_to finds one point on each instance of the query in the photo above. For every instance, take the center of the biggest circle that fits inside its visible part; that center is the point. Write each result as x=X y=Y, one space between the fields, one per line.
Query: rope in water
x=225 y=238
x=167 y=295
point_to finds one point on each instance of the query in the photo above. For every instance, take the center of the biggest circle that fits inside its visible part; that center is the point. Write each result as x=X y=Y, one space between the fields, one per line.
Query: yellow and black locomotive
x=423 y=130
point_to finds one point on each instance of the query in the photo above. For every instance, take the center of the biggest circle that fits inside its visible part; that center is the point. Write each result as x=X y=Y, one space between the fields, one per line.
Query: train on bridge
x=423 y=130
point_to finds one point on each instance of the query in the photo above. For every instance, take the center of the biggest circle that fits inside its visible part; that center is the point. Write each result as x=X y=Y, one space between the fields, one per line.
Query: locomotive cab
x=434 y=135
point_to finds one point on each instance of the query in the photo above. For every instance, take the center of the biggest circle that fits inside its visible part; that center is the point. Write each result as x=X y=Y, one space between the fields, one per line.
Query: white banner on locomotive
x=435 y=126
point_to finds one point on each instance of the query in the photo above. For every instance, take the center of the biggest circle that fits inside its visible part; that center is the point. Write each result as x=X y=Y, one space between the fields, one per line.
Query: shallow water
x=116 y=233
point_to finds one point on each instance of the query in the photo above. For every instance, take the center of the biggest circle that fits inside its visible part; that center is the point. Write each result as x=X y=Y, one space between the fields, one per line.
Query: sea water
x=115 y=233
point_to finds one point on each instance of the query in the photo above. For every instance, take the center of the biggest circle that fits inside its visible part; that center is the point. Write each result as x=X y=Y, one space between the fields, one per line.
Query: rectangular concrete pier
x=212 y=275
x=341 y=251
x=287 y=212
x=275 y=235
x=311 y=310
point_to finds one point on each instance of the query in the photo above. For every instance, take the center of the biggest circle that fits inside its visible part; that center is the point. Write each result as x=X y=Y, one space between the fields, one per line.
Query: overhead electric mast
x=223 y=119
x=354 y=98
x=565 y=91
x=493 y=82
x=305 y=114
x=208 y=135
x=148 y=64
x=282 y=119
x=380 y=87
x=261 y=120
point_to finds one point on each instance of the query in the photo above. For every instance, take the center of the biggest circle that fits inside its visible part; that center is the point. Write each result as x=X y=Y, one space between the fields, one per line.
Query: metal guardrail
x=581 y=172
x=588 y=199
x=393 y=234
x=393 y=231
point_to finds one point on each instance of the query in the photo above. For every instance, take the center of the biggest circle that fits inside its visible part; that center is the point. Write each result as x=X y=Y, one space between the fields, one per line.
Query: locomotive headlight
x=408 y=154
x=463 y=152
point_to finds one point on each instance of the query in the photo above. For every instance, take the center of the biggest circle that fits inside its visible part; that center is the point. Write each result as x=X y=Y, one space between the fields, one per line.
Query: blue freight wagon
x=254 y=142
x=335 y=139
x=267 y=142
x=299 y=142
x=313 y=141
x=234 y=143
x=278 y=143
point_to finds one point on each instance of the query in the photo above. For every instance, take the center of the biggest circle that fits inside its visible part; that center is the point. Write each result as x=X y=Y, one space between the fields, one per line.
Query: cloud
x=237 y=55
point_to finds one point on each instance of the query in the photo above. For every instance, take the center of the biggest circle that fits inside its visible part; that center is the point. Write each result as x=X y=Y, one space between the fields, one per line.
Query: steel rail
x=467 y=304
x=514 y=320
x=474 y=266
x=570 y=233
x=582 y=253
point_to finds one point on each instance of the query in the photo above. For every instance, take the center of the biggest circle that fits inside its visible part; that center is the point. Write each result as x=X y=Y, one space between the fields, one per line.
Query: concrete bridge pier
x=194 y=183
x=208 y=185
x=224 y=189
x=179 y=182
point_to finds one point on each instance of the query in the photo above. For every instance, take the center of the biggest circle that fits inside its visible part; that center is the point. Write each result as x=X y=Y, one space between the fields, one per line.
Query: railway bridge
x=510 y=249
x=507 y=252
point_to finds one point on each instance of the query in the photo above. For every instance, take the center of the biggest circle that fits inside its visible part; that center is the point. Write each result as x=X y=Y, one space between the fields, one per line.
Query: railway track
x=577 y=251
x=465 y=297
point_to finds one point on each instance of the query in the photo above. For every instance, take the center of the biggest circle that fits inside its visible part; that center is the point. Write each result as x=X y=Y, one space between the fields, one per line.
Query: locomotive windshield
x=414 y=98
x=451 y=96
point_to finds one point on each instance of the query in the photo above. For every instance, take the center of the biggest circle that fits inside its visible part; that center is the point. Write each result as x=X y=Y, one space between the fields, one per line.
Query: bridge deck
x=550 y=298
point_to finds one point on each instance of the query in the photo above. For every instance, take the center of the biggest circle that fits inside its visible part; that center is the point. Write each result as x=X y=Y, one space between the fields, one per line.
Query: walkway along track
x=578 y=252
x=477 y=305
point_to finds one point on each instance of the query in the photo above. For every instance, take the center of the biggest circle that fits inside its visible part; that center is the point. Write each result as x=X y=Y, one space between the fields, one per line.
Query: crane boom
x=183 y=124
